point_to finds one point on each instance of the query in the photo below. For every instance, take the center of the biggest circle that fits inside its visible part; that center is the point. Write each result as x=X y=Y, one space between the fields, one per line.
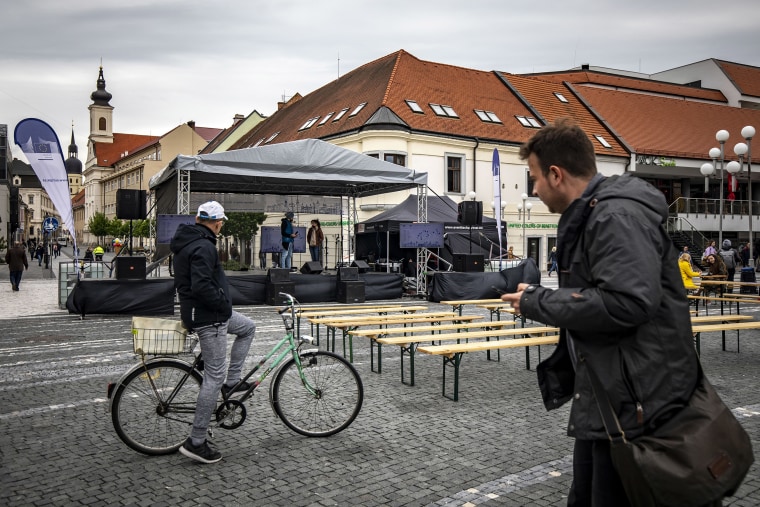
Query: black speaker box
x=470 y=213
x=350 y=292
x=311 y=268
x=274 y=289
x=130 y=268
x=130 y=204
x=275 y=275
x=348 y=274
x=362 y=265
x=468 y=263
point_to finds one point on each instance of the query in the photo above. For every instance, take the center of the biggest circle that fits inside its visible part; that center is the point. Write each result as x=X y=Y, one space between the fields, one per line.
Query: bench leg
x=372 y=343
x=408 y=350
x=454 y=361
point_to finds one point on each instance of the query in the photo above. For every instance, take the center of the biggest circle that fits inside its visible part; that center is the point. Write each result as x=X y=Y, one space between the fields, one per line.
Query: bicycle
x=314 y=392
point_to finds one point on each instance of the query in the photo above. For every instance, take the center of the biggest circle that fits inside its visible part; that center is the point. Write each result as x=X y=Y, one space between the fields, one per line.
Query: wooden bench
x=312 y=315
x=409 y=344
x=452 y=353
x=349 y=324
x=698 y=329
x=457 y=305
x=499 y=308
x=375 y=335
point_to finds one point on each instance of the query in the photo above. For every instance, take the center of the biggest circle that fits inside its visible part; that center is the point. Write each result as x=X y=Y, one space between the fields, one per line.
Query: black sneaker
x=244 y=386
x=203 y=453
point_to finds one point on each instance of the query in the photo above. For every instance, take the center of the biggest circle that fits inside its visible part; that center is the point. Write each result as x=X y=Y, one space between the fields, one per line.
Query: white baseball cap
x=211 y=210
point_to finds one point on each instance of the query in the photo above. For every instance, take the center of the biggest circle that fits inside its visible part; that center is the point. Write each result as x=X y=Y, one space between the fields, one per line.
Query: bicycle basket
x=161 y=336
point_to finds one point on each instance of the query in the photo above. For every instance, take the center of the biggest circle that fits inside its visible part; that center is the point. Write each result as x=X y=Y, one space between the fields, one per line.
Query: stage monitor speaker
x=470 y=213
x=130 y=268
x=311 y=268
x=274 y=289
x=362 y=265
x=348 y=274
x=464 y=263
x=350 y=292
x=278 y=275
x=130 y=204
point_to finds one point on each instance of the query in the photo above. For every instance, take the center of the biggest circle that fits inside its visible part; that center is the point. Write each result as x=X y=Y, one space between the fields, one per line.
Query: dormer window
x=487 y=116
x=603 y=141
x=309 y=123
x=414 y=106
x=340 y=114
x=441 y=110
x=358 y=108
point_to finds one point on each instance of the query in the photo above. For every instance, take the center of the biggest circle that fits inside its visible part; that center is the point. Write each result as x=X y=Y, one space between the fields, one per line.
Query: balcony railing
x=700 y=206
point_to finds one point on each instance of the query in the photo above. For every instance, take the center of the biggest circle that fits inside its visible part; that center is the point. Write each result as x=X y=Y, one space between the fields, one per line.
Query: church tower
x=73 y=166
x=101 y=113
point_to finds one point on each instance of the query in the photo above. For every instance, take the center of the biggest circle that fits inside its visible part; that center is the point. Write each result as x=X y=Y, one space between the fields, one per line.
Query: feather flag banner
x=40 y=144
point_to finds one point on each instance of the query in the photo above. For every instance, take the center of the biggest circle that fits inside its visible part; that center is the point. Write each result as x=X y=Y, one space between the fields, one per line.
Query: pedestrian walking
x=205 y=304
x=39 y=254
x=553 y=260
x=631 y=327
x=15 y=257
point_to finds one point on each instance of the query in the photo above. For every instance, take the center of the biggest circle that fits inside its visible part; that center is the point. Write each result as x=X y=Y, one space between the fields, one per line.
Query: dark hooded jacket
x=621 y=308
x=204 y=295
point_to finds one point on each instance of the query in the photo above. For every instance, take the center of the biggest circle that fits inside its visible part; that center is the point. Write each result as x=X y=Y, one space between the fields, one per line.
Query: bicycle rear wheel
x=142 y=414
x=336 y=403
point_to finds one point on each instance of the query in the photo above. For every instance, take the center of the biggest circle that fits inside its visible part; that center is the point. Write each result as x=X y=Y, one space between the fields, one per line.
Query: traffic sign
x=50 y=224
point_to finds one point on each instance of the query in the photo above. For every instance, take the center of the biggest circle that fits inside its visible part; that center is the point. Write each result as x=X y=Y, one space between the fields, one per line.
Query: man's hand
x=514 y=298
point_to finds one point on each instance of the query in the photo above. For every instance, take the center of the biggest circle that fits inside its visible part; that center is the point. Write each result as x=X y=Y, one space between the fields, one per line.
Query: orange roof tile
x=658 y=125
x=631 y=83
x=109 y=153
x=541 y=96
x=745 y=77
x=388 y=82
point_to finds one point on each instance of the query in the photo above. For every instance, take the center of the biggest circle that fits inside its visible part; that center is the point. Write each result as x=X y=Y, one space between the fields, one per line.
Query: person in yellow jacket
x=98 y=253
x=687 y=271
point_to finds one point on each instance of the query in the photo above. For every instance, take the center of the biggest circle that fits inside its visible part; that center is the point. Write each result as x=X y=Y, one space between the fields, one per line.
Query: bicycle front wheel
x=153 y=407
x=334 y=405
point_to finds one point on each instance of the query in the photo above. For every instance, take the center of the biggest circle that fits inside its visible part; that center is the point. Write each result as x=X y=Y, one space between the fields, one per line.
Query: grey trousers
x=213 y=340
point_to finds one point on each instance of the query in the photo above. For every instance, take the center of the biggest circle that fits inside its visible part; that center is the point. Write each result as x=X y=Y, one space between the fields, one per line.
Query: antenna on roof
x=338 y=64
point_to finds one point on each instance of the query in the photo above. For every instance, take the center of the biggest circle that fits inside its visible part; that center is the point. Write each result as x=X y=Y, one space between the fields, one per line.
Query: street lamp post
x=721 y=136
x=742 y=149
x=524 y=210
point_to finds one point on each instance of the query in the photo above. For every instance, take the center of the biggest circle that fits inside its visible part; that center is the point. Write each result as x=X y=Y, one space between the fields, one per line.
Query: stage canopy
x=306 y=167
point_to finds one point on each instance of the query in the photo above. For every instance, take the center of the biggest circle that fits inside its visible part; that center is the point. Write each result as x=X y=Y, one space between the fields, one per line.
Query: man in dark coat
x=205 y=306
x=632 y=327
x=15 y=257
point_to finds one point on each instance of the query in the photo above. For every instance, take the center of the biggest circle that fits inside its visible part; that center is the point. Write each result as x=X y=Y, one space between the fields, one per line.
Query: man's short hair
x=563 y=144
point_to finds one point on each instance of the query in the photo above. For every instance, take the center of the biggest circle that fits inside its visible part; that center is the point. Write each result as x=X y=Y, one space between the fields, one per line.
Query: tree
x=99 y=225
x=243 y=225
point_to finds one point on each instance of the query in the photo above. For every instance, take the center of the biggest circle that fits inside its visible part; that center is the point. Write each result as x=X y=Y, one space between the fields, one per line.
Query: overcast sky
x=170 y=61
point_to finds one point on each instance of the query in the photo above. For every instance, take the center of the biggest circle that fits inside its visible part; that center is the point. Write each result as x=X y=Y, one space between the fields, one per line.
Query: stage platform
x=155 y=296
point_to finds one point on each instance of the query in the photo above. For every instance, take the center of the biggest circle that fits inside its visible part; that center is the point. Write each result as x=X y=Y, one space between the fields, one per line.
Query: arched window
x=102 y=124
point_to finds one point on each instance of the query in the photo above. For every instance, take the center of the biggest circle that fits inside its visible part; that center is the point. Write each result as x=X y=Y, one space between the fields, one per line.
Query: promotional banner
x=40 y=144
x=497 y=194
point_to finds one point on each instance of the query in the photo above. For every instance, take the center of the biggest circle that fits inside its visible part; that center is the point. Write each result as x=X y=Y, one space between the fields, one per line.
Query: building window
x=340 y=114
x=561 y=97
x=414 y=106
x=395 y=158
x=102 y=123
x=487 y=116
x=358 y=108
x=309 y=123
x=31 y=199
x=324 y=120
x=528 y=121
x=454 y=174
x=603 y=141
x=444 y=110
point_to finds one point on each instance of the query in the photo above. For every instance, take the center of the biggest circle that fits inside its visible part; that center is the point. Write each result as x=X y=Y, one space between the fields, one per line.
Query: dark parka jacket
x=204 y=295
x=622 y=302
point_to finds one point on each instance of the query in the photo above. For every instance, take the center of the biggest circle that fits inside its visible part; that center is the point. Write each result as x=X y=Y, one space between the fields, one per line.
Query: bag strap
x=609 y=418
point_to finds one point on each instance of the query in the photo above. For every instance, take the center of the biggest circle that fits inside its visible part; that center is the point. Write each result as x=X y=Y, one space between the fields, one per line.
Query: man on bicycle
x=206 y=308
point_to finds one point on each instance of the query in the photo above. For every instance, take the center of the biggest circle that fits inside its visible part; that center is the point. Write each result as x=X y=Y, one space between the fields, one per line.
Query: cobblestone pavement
x=409 y=446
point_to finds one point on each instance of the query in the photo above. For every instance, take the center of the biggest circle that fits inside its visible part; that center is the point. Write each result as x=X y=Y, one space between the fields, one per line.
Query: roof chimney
x=585 y=66
x=191 y=124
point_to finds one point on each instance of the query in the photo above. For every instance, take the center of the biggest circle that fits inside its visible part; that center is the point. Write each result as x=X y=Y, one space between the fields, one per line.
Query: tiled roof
x=208 y=133
x=541 y=96
x=745 y=77
x=631 y=83
x=109 y=153
x=671 y=127
x=390 y=81
x=78 y=199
